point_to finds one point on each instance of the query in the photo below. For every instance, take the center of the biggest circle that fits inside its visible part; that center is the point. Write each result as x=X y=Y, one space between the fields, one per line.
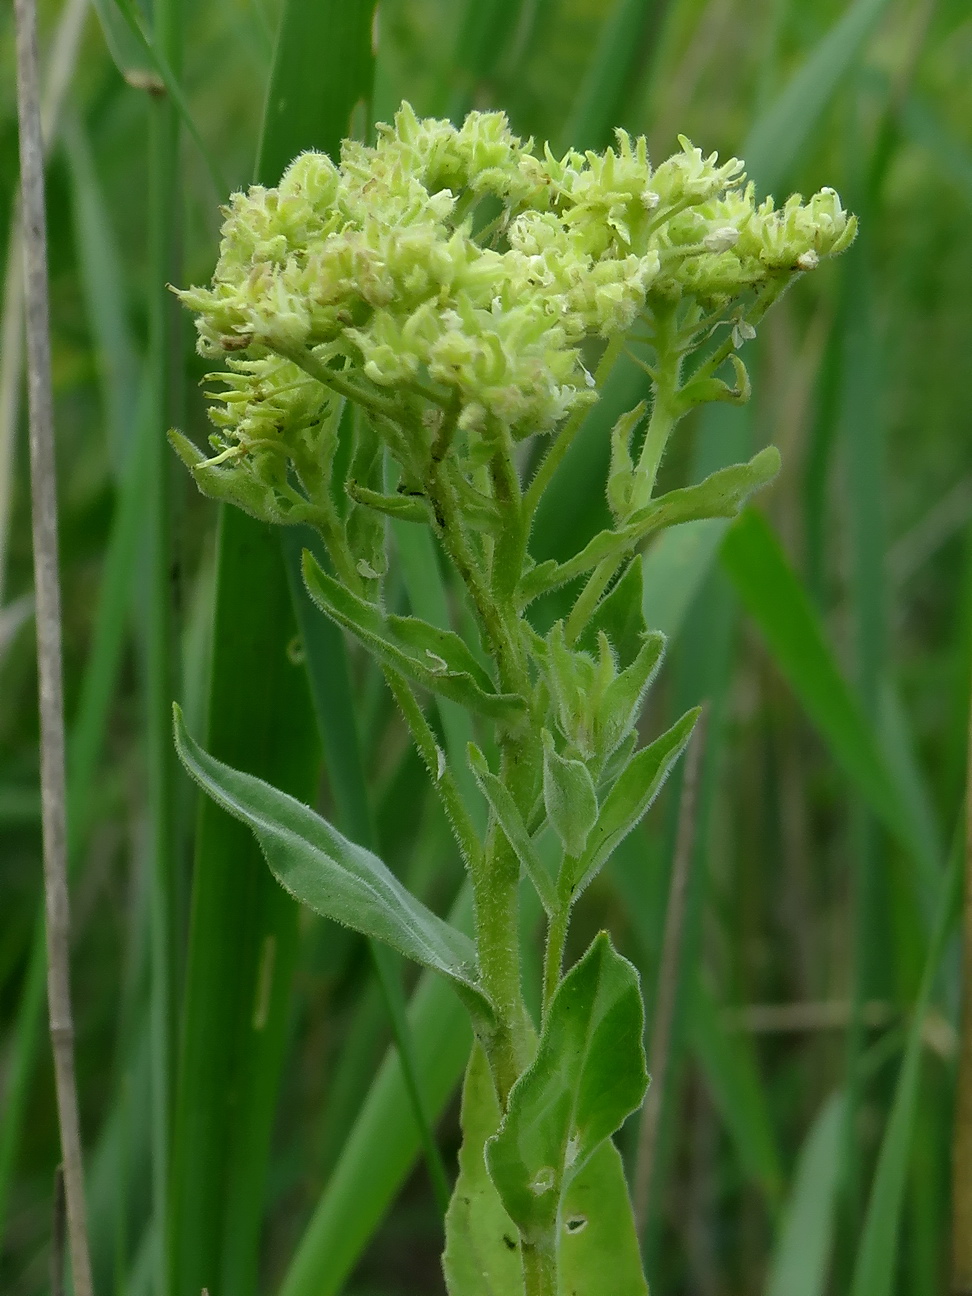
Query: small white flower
x=721 y=239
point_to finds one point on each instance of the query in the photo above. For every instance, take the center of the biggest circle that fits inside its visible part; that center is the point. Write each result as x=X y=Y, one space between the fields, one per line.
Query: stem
x=445 y=784
x=584 y=607
x=337 y=382
x=48 y=624
x=565 y=437
x=664 y=416
x=665 y=412
x=540 y=1265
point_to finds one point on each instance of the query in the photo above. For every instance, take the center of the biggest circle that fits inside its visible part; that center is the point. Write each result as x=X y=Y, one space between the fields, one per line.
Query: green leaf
x=623 y=697
x=621 y=473
x=334 y=876
x=621 y=617
x=435 y=658
x=588 y=1076
x=629 y=799
x=511 y=821
x=482 y=1253
x=720 y=495
x=802 y=1255
x=404 y=508
x=569 y=796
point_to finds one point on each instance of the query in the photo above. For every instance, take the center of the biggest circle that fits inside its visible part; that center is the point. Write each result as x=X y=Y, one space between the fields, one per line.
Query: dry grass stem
x=48 y=623
x=64 y=54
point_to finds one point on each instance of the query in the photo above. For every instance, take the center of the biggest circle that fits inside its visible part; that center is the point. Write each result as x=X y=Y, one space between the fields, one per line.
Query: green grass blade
x=782 y=132
x=85 y=745
x=874 y=1269
x=101 y=275
x=775 y=598
x=243 y=937
x=802 y=1255
x=729 y=1066
x=384 y=1141
x=596 y=110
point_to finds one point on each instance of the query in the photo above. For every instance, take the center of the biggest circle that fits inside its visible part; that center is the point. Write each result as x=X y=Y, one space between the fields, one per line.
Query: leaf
x=588 y=1076
x=802 y=1255
x=623 y=697
x=435 y=658
x=621 y=617
x=511 y=821
x=569 y=796
x=334 y=876
x=720 y=495
x=482 y=1253
x=629 y=799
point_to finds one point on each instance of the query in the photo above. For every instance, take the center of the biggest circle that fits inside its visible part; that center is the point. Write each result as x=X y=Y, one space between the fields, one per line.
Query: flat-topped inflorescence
x=455 y=262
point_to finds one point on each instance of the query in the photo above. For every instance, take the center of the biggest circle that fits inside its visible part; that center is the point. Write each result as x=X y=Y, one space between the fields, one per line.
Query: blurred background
x=805 y=1101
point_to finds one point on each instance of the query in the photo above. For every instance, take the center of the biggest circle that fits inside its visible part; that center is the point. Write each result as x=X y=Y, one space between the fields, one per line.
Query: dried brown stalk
x=48 y=623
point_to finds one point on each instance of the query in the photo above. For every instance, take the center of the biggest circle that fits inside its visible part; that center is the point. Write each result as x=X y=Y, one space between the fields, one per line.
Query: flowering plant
x=417 y=334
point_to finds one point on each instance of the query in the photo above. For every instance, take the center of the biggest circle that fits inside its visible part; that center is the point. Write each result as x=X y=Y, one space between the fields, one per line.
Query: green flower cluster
x=453 y=264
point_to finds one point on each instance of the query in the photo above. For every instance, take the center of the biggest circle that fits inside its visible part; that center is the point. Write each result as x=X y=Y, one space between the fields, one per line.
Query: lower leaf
x=598 y=1244
x=336 y=877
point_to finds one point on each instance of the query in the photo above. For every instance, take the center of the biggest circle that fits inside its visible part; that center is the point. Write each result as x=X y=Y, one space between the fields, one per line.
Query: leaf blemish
x=575 y=1223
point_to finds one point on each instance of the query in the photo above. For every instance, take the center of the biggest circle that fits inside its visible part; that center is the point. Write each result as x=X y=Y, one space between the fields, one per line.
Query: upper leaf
x=334 y=876
x=437 y=659
x=569 y=796
x=588 y=1076
x=632 y=794
x=620 y=614
x=511 y=821
x=722 y=494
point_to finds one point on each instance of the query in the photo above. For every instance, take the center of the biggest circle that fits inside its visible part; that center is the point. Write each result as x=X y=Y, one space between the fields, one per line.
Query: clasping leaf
x=437 y=659
x=334 y=876
x=569 y=797
x=588 y=1076
x=629 y=799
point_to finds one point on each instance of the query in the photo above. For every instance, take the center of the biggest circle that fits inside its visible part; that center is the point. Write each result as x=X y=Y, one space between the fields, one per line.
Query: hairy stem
x=540 y=1265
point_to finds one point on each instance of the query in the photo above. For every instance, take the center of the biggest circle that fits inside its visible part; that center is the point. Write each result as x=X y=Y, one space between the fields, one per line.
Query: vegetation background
x=242 y=1129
